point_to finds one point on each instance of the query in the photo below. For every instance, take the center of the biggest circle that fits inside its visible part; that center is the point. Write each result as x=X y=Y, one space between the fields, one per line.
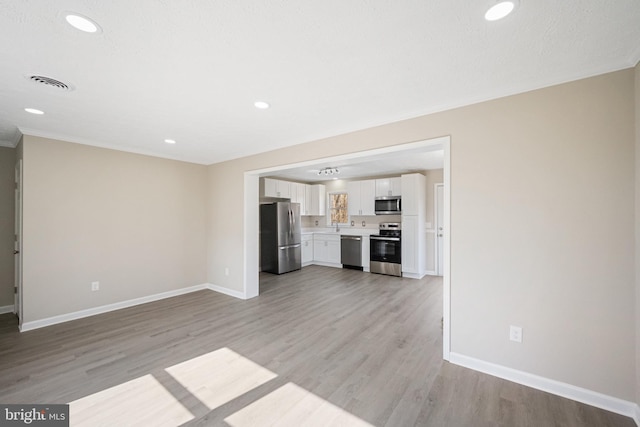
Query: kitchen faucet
x=337 y=226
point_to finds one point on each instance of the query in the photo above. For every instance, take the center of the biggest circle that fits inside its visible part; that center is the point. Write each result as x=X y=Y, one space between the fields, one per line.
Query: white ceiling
x=191 y=71
x=370 y=166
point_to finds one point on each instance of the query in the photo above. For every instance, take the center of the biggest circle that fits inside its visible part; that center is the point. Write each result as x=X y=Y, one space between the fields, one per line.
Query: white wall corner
x=579 y=394
x=6 y=309
x=54 y=320
x=226 y=291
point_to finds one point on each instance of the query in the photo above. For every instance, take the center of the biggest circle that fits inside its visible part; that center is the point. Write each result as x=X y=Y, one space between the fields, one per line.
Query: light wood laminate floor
x=320 y=346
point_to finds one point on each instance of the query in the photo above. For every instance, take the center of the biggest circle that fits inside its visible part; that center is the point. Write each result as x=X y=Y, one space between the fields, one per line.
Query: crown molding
x=92 y=143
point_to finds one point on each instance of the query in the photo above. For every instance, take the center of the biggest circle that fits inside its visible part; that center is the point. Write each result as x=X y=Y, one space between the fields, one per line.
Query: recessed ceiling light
x=499 y=10
x=261 y=105
x=34 y=111
x=170 y=141
x=82 y=23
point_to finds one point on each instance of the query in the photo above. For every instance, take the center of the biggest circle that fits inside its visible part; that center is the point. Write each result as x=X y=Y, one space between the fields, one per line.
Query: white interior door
x=17 y=245
x=440 y=228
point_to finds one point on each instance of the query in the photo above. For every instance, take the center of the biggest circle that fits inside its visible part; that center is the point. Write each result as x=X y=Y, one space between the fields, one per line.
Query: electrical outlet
x=226 y=271
x=95 y=286
x=515 y=333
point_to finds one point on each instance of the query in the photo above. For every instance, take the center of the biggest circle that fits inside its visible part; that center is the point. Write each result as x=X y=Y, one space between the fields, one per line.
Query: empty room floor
x=320 y=346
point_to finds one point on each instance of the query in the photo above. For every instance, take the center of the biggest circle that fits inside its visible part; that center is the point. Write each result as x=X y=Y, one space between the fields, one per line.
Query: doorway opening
x=251 y=266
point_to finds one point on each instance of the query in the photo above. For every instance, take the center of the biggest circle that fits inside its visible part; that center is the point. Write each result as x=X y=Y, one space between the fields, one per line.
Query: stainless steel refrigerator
x=280 y=237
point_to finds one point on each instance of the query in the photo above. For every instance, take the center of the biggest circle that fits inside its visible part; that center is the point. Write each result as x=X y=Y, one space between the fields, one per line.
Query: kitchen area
x=381 y=224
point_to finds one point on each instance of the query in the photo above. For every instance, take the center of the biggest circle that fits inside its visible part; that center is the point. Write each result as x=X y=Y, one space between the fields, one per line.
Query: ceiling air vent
x=50 y=82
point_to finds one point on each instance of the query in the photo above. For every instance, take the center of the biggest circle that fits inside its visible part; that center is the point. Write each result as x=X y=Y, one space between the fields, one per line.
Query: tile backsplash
x=369 y=221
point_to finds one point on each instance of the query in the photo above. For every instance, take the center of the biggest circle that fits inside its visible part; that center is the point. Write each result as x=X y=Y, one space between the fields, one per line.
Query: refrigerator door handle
x=283 y=248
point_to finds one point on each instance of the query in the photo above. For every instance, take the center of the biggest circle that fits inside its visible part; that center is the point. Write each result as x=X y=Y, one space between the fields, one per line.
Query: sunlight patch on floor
x=219 y=377
x=142 y=401
x=291 y=405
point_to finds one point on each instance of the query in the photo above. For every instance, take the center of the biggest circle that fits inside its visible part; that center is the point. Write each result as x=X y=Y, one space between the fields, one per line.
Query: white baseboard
x=6 y=309
x=413 y=275
x=636 y=417
x=589 y=397
x=327 y=264
x=226 y=291
x=36 y=324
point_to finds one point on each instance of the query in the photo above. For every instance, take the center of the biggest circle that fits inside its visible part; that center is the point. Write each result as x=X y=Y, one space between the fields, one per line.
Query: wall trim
x=326 y=264
x=579 y=394
x=54 y=320
x=7 y=144
x=226 y=291
x=414 y=275
x=7 y=309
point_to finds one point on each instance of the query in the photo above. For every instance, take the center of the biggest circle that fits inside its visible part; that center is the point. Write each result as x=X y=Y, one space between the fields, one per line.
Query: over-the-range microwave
x=388 y=205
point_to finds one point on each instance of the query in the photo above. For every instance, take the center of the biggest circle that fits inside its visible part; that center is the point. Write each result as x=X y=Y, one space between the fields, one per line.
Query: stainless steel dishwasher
x=351 y=252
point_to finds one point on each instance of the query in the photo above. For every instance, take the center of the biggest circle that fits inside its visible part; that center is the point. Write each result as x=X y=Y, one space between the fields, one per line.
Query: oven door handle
x=389 y=239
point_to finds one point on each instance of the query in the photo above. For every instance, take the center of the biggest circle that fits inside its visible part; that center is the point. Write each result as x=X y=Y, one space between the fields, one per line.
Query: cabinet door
x=319 y=250
x=368 y=197
x=293 y=192
x=366 y=252
x=382 y=187
x=353 y=190
x=270 y=187
x=317 y=195
x=307 y=250
x=322 y=199
x=307 y=200
x=333 y=251
x=395 y=187
x=409 y=201
x=284 y=189
x=299 y=198
x=410 y=244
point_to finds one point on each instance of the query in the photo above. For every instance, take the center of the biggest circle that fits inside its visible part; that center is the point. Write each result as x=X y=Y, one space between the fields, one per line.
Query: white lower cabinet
x=307 y=249
x=326 y=248
x=413 y=245
x=366 y=250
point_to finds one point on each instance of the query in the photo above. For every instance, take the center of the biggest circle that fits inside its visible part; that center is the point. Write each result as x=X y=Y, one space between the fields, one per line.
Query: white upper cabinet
x=361 y=197
x=414 y=194
x=310 y=197
x=298 y=195
x=277 y=188
x=317 y=200
x=388 y=187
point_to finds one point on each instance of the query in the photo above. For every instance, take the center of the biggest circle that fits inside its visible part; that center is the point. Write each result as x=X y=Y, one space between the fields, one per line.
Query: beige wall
x=7 y=214
x=542 y=202
x=134 y=223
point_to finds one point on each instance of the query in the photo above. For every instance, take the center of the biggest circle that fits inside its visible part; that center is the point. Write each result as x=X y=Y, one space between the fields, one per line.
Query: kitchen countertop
x=347 y=231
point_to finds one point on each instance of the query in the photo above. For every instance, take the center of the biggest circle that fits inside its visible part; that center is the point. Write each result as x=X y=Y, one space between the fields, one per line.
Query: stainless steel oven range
x=385 y=250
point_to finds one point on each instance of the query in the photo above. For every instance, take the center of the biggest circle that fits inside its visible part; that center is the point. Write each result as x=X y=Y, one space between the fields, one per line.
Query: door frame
x=251 y=219
x=435 y=215
x=17 y=245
